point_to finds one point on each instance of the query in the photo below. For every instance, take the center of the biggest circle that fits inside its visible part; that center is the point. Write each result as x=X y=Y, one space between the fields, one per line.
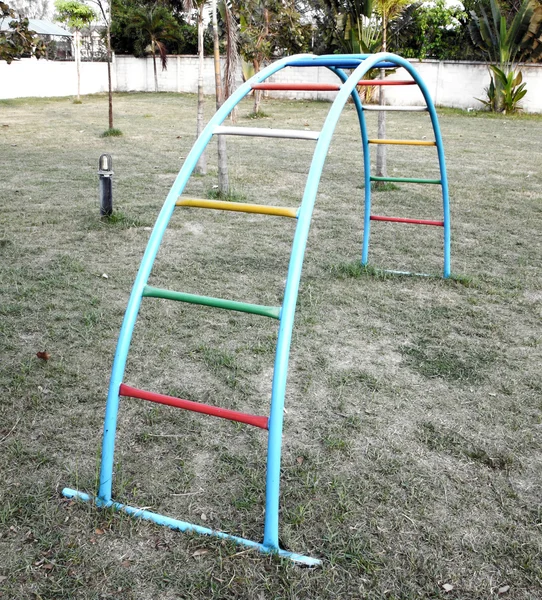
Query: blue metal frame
x=361 y=64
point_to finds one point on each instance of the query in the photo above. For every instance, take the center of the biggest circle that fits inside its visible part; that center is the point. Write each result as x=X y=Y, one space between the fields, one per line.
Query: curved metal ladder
x=285 y=313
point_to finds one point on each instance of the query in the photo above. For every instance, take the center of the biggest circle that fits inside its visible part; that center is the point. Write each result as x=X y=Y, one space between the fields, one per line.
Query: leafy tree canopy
x=433 y=30
x=270 y=28
x=75 y=14
x=19 y=41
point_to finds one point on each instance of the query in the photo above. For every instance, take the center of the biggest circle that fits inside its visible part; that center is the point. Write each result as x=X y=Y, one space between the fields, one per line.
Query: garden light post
x=105 y=171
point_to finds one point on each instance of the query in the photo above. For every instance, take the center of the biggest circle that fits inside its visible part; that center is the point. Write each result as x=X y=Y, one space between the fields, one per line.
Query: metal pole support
x=105 y=171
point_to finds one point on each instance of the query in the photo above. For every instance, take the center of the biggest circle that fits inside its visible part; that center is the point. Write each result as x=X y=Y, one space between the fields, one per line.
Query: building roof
x=40 y=26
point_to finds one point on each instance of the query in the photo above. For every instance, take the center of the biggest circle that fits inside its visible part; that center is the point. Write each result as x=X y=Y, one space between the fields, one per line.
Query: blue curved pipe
x=296 y=264
x=362 y=64
x=132 y=310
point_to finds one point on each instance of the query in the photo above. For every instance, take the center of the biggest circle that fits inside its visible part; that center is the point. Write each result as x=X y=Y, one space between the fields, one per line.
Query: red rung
x=301 y=87
x=386 y=82
x=403 y=220
x=223 y=413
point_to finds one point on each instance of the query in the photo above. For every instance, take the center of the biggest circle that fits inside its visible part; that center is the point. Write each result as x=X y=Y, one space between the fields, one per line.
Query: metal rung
x=279 y=211
x=255 y=309
x=338 y=62
x=397 y=108
x=403 y=220
x=405 y=180
x=370 y=82
x=298 y=87
x=293 y=134
x=199 y=407
x=403 y=142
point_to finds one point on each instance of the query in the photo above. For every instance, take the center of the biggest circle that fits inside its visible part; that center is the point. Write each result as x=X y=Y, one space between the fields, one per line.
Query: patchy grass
x=231 y=196
x=411 y=455
x=112 y=132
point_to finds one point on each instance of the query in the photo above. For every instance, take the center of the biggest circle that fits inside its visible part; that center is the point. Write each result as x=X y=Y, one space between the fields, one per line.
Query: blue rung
x=339 y=63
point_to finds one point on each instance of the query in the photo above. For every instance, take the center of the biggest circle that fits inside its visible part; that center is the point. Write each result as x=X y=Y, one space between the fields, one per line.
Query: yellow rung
x=261 y=209
x=404 y=142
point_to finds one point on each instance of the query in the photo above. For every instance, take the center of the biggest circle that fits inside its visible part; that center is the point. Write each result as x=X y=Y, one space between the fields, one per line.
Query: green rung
x=255 y=309
x=405 y=180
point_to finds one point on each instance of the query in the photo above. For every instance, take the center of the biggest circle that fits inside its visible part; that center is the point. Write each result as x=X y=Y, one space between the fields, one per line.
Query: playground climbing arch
x=357 y=65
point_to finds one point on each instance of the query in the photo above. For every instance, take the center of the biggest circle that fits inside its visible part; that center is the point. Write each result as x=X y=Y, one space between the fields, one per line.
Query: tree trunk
x=153 y=50
x=381 y=166
x=201 y=167
x=110 y=87
x=223 y=179
x=77 y=43
x=257 y=93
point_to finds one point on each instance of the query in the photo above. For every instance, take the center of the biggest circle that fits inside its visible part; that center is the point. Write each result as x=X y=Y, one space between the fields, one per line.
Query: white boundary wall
x=452 y=84
x=30 y=77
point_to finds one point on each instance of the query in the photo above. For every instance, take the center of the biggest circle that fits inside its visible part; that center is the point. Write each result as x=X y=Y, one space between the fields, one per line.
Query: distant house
x=58 y=39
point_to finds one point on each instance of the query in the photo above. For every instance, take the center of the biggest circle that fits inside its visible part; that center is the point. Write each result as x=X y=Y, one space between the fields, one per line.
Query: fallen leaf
x=447 y=587
x=504 y=589
x=299 y=460
x=43 y=355
x=126 y=563
x=99 y=531
x=48 y=566
x=200 y=552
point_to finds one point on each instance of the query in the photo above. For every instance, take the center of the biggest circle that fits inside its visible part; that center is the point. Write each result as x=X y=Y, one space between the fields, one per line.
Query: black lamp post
x=105 y=171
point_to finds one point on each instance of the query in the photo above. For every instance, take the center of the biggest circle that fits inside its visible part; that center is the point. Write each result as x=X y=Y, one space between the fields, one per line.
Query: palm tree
x=156 y=25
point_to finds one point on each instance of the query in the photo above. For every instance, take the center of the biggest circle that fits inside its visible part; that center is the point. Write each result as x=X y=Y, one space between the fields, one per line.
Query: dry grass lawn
x=412 y=461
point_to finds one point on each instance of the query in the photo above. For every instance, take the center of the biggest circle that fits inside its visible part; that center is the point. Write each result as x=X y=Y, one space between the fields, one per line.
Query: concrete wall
x=458 y=84
x=137 y=75
x=452 y=84
x=45 y=78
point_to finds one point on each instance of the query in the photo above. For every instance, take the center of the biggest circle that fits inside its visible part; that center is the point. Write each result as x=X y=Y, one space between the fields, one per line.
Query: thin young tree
x=388 y=10
x=105 y=10
x=223 y=179
x=189 y=6
x=224 y=91
x=75 y=15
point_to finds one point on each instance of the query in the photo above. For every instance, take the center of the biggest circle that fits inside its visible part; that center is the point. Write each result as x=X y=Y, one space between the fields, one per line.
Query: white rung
x=294 y=134
x=389 y=107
